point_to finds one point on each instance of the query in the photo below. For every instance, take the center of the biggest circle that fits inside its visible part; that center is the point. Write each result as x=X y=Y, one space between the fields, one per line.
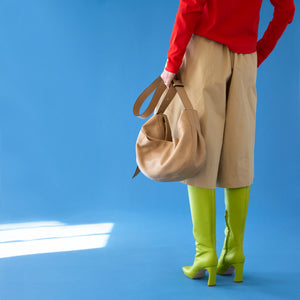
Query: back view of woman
x=214 y=51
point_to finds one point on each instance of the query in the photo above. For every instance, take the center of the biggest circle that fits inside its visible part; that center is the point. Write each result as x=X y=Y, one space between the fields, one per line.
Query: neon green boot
x=203 y=212
x=232 y=256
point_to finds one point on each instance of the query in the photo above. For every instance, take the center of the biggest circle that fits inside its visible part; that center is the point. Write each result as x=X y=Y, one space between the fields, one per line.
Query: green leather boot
x=232 y=256
x=203 y=212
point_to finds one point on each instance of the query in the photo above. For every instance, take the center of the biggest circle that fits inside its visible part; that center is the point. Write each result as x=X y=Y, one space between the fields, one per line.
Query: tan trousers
x=221 y=86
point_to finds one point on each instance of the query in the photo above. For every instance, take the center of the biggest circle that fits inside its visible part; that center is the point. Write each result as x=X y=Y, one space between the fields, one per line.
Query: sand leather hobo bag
x=159 y=156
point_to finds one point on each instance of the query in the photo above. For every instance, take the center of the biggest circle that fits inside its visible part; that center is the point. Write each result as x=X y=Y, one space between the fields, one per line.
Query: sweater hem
x=218 y=39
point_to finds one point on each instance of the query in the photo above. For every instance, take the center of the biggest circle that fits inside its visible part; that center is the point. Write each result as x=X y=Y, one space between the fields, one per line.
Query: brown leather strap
x=167 y=100
x=160 y=87
x=178 y=85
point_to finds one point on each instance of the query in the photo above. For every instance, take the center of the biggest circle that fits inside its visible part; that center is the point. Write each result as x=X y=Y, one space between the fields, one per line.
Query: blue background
x=70 y=72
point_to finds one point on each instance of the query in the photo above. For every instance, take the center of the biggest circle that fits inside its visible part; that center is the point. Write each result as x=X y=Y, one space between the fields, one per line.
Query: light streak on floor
x=47 y=237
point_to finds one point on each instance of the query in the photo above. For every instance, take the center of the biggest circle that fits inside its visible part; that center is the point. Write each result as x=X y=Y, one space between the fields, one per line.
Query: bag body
x=159 y=156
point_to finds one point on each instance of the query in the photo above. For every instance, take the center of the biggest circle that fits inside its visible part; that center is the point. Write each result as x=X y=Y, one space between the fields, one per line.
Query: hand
x=167 y=77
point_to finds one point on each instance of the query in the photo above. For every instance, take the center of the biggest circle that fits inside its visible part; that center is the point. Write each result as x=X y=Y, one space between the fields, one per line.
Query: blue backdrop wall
x=70 y=73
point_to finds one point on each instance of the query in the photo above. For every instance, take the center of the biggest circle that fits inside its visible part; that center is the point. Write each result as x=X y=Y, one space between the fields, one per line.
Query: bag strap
x=158 y=84
x=178 y=85
x=160 y=87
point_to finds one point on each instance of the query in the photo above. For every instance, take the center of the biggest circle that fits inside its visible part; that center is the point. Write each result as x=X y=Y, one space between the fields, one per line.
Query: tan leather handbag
x=159 y=156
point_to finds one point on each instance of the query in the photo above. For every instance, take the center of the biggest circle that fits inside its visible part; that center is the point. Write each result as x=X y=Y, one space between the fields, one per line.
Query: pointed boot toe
x=193 y=273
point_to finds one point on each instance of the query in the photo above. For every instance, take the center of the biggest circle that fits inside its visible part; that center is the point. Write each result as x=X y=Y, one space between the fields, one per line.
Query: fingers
x=167 y=77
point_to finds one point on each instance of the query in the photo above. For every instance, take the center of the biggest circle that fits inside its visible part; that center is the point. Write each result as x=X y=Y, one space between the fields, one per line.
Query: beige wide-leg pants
x=221 y=86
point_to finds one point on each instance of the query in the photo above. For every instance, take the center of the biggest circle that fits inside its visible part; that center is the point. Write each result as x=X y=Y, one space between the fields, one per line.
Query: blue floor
x=144 y=255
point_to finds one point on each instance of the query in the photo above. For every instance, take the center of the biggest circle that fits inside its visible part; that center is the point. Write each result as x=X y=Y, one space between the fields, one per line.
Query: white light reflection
x=46 y=237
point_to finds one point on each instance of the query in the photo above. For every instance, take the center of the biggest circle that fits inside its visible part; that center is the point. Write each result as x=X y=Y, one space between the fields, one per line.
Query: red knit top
x=231 y=22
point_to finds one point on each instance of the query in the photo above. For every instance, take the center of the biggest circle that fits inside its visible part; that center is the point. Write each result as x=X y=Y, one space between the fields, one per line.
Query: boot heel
x=238 y=277
x=212 y=274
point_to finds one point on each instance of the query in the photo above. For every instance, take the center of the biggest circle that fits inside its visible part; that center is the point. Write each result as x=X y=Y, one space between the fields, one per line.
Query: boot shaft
x=203 y=212
x=236 y=208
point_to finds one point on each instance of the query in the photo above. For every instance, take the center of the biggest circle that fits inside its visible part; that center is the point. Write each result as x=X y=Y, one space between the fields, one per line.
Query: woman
x=215 y=52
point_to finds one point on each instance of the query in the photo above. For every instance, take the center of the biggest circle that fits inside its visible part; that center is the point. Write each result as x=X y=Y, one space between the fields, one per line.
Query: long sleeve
x=188 y=14
x=283 y=15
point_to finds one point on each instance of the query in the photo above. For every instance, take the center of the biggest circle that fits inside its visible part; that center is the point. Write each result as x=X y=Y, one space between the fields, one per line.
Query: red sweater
x=232 y=22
